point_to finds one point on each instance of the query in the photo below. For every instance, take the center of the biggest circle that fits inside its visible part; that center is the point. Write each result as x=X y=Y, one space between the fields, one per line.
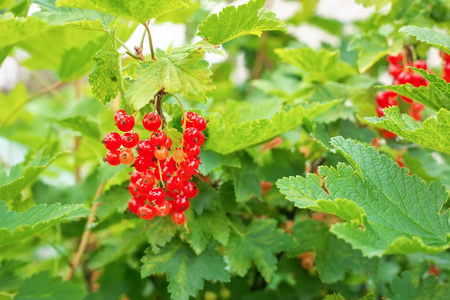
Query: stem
x=129 y=52
x=31 y=98
x=142 y=40
x=160 y=174
x=87 y=232
x=150 y=42
x=158 y=108
x=413 y=53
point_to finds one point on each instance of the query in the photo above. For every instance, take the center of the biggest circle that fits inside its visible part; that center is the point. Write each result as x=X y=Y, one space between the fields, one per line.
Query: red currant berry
x=190 y=190
x=166 y=172
x=190 y=164
x=190 y=117
x=135 y=175
x=146 y=212
x=395 y=70
x=167 y=144
x=163 y=209
x=199 y=123
x=395 y=59
x=130 y=139
x=181 y=203
x=149 y=179
x=171 y=163
x=404 y=77
x=156 y=196
x=113 y=157
x=158 y=137
x=125 y=123
x=178 y=218
x=119 y=114
x=193 y=136
x=192 y=150
x=380 y=112
x=178 y=156
x=406 y=99
x=126 y=156
x=134 y=204
x=391 y=94
x=417 y=106
x=142 y=163
x=421 y=64
x=388 y=134
x=133 y=190
x=151 y=121
x=184 y=175
x=161 y=152
x=416 y=115
x=172 y=194
x=174 y=184
x=142 y=187
x=112 y=141
x=145 y=148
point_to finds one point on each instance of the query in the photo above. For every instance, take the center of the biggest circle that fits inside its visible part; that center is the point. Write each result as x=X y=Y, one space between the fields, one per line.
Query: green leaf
x=322 y=65
x=182 y=70
x=212 y=160
x=434 y=133
x=204 y=200
x=186 y=271
x=334 y=257
x=22 y=175
x=438 y=39
x=259 y=242
x=139 y=10
x=204 y=227
x=234 y=22
x=175 y=136
x=15 y=226
x=14 y=30
x=226 y=138
x=408 y=287
x=435 y=95
x=246 y=185
x=106 y=76
x=113 y=200
x=372 y=183
x=373 y=47
x=377 y=3
x=55 y=15
x=86 y=125
x=165 y=230
x=43 y=286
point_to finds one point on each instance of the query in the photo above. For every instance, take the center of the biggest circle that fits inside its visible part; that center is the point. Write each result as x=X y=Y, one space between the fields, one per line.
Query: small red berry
x=404 y=77
x=134 y=204
x=130 y=139
x=142 y=163
x=192 y=150
x=200 y=123
x=181 y=203
x=380 y=112
x=156 y=196
x=149 y=179
x=193 y=136
x=151 y=121
x=158 y=137
x=125 y=123
x=119 y=114
x=190 y=190
x=145 y=148
x=133 y=190
x=167 y=144
x=146 y=212
x=163 y=209
x=178 y=218
x=174 y=184
x=113 y=157
x=112 y=141
x=395 y=59
x=388 y=134
x=421 y=64
x=395 y=70
x=126 y=156
x=142 y=187
x=135 y=175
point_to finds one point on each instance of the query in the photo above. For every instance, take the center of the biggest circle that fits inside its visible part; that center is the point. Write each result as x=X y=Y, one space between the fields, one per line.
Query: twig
x=150 y=42
x=129 y=52
x=260 y=56
x=158 y=108
x=87 y=232
x=31 y=98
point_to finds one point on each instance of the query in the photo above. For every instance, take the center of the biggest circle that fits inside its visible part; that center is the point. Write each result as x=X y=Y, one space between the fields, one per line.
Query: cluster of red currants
x=446 y=65
x=398 y=68
x=160 y=184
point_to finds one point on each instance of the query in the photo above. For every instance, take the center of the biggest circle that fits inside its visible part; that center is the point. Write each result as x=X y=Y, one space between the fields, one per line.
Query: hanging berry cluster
x=160 y=184
x=398 y=68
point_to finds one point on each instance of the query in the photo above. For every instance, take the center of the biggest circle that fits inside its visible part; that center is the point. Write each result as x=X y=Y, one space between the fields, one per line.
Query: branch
x=87 y=232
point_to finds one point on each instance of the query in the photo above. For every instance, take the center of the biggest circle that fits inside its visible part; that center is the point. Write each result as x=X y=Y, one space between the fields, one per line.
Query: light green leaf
x=377 y=3
x=113 y=200
x=15 y=226
x=322 y=65
x=22 y=175
x=87 y=19
x=408 y=287
x=334 y=257
x=438 y=39
x=175 y=136
x=372 y=48
x=435 y=96
x=434 y=133
x=139 y=10
x=14 y=30
x=259 y=242
x=204 y=227
x=225 y=138
x=106 y=76
x=212 y=160
x=234 y=22
x=182 y=70
x=86 y=125
x=372 y=183
x=159 y=232
x=43 y=286
x=186 y=271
